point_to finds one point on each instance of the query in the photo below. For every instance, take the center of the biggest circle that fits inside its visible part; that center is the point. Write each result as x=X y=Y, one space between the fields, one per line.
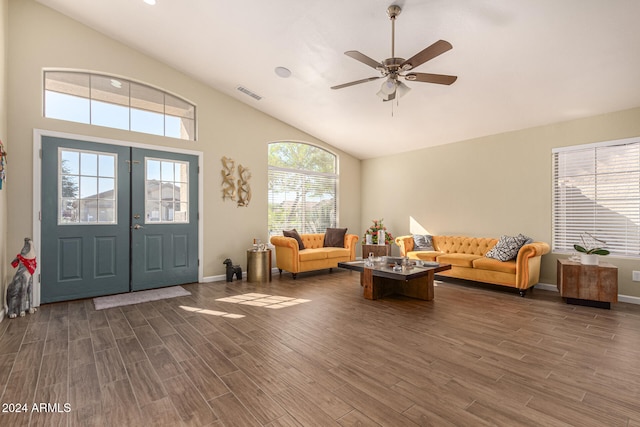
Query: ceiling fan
x=396 y=68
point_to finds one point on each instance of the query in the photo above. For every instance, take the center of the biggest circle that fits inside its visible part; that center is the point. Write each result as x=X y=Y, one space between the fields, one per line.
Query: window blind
x=596 y=190
x=302 y=200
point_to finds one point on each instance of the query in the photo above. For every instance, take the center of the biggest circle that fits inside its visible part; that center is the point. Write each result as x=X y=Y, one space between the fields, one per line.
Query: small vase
x=589 y=259
x=381 y=238
x=369 y=239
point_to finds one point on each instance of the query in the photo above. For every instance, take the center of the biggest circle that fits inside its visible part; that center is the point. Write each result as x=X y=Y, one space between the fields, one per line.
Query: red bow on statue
x=30 y=264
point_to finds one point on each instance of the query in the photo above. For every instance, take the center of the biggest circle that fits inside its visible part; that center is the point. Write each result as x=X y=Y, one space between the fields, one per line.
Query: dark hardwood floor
x=474 y=356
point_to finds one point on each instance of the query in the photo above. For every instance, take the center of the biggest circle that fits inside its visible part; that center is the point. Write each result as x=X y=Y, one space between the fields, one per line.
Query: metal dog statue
x=20 y=290
x=232 y=269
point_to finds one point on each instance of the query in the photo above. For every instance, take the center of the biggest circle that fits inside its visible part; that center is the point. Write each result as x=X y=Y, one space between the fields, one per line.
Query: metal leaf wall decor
x=239 y=190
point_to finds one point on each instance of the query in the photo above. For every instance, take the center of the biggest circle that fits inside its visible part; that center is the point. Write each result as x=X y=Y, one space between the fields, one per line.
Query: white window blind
x=302 y=188
x=596 y=190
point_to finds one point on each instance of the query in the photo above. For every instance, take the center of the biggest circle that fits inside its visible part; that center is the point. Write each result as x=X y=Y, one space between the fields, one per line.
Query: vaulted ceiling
x=520 y=63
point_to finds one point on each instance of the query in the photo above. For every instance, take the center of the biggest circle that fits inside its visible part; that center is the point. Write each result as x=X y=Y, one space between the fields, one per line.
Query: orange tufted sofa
x=314 y=256
x=467 y=258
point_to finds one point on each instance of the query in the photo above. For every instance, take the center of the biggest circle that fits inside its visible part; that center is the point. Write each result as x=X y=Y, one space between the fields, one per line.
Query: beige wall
x=3 y=136
x=40 y=38
x=500 y=184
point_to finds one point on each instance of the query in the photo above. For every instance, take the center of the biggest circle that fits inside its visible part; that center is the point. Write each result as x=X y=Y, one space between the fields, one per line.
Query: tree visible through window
x=302 y=188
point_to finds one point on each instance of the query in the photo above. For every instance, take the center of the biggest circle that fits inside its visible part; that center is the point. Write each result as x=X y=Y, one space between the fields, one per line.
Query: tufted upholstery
x=314 y=256
x=467 y=258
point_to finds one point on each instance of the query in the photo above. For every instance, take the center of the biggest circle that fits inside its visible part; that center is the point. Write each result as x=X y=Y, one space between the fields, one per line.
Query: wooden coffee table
x=380 y=281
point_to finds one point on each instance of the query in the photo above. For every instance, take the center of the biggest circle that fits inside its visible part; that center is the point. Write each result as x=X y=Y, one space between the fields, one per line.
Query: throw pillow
x=294 y=233
x=507 y=247
x=422 y=243
x=334 y=237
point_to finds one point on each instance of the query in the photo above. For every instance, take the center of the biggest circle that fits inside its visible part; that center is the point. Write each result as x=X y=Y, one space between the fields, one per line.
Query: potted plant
x=590 y=249
x=374 y=232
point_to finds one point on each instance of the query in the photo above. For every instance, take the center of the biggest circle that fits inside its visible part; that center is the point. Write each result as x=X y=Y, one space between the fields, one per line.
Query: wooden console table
x=591 y=285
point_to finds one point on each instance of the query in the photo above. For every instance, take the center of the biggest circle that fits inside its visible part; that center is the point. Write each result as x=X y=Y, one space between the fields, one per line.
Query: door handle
x=137 y=227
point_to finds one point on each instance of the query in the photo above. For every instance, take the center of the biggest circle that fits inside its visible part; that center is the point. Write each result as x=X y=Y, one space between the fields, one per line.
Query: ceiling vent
x=248 y=92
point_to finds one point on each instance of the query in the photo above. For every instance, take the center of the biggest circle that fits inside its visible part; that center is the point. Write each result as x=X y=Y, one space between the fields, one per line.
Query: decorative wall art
x=244 y=190
x=3 y=162
x=240 y=191
x=228 y=182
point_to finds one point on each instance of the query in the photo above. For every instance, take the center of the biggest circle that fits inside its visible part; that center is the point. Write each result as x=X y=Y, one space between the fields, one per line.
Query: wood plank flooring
x=474 y=356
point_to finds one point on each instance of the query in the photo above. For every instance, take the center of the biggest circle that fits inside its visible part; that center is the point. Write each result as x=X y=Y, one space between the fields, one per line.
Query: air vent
x=248 y=92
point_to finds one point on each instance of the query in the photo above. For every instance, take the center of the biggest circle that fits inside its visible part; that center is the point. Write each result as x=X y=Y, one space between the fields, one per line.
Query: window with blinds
x=302 y=188
x=596 y=190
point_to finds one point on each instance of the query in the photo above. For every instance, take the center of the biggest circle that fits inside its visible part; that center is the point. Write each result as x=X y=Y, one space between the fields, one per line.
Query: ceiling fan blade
x=438 y=48
x=363 y=58
x=355 y=82
x=441 y=79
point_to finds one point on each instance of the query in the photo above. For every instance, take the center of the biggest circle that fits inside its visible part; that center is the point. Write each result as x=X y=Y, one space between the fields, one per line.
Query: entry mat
x=138 y=297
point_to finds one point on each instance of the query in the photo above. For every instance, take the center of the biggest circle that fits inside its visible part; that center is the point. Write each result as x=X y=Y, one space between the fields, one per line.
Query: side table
x=378 y=250
x=591 y=285
x=258 y=265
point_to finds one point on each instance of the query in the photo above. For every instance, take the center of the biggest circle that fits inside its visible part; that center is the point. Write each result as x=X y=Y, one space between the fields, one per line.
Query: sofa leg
x=294 y=275
x=523 y=292
x=280 y=270
x=330 y=270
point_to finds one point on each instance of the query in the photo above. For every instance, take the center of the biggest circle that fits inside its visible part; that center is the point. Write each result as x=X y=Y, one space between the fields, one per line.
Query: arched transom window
x=114 y=102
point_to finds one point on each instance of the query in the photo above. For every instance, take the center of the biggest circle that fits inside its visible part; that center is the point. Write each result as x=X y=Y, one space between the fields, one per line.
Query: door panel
x=164 y=233
x=85 y=219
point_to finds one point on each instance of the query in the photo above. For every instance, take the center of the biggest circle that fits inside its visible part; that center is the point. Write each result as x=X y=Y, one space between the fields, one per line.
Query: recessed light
x=283 y=72
x=151 y=2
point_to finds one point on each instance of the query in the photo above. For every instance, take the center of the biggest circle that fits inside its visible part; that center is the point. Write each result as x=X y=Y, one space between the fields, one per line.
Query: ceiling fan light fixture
x=388 y=86
x=402 y=89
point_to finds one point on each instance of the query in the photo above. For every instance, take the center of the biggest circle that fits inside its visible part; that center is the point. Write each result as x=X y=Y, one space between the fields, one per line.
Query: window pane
x=70 y=186
x=147 y=122
x=88 y=187
x=106 y=211
x=70 y=162
x=178 y=107
x=110 y=90
x=105 y=188
x=69 y=211
x=153 y=169
x=66 y=107
x=63 y=82
x=109 y=115
x=167 y=171
x=177 y=127
x=89 y=210
x=147 y=98
x=88 y=164
x=107 y=166
x=153 y=211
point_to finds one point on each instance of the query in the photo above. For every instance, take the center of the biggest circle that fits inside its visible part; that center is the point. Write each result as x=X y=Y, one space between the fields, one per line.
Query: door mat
x=138 y=297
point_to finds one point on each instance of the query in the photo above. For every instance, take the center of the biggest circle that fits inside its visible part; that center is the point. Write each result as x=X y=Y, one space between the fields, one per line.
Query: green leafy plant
x=590 y=245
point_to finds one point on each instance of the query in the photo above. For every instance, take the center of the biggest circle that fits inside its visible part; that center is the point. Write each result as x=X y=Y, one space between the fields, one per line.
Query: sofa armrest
x=350 y=243
x=287 y=251
x=405 y=243
x=528 y=264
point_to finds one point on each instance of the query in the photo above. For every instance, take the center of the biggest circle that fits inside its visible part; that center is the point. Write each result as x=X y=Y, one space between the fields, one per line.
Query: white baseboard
x=621 y=298
x=223 y=277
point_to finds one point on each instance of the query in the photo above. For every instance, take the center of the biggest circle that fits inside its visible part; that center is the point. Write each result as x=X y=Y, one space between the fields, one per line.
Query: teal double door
x=115 y=219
